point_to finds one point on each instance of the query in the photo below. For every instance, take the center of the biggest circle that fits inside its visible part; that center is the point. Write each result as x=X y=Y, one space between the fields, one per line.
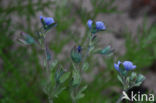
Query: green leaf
x=128 y=80
x=79 y=96
x=138 y=84
x=85 y=66
x=64 y=77
x=54 y=64
x=83 y=89
x=26 y=39
x=106 y=51
x=76 y=77
x=140 y=78
x=59 y=72
x=133 y=76
x=120 y=79
x=58 y=91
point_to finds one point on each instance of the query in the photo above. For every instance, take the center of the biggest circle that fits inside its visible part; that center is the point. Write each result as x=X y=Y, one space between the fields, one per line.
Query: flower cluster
x=127 y=80
x=97 y=26
x=128 y=65
x=76 y=54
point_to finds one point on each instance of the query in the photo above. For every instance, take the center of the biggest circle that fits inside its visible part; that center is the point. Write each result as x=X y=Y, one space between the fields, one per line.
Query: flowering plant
x=55 y=75
x=126 y=77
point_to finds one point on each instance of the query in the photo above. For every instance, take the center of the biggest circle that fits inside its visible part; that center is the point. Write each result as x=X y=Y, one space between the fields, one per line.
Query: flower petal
x=90 y=23
x=119 y=62
x=116 y=66
x=47 y=20
x=128 y=65
x=100 y=25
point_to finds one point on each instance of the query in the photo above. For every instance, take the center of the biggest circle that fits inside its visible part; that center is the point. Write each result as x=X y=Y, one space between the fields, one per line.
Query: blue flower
x=99 y=25
x=90 y=23
x=47 y=20
x=116 y=66
x=128 y=65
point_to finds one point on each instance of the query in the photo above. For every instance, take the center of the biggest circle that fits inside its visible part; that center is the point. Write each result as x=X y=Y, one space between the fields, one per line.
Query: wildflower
x=116 y=66
x=99 y=25
x=128 y=65
x=90 y=24
x=47 y=22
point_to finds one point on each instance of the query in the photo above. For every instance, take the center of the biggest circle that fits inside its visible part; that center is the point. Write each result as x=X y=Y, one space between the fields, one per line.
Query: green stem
x=120 y=99
x=73 y=96
x=50 y=100
x=47 y=68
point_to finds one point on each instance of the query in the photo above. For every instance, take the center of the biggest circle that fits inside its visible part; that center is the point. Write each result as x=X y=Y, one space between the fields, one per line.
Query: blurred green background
x=131 y=31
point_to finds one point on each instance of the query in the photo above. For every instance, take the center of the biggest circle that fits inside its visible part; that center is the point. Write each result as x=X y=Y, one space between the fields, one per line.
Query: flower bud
x=76 y=54
x=59 y=72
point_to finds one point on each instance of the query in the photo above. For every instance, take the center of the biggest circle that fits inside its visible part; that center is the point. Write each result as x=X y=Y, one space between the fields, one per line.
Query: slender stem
x=47 y=64
x=88 y=45
x=47 y=68
x=74 y=100
x=73 y=95
x=120 y=99
x=50 y=100
x=76 y=89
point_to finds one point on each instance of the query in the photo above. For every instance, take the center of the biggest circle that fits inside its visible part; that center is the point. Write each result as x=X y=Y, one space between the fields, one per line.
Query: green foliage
x=22 y=85
x=76 y=77
x=85 y=66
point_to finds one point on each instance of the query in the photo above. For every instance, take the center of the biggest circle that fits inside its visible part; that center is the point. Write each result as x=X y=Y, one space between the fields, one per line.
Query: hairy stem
x=50 y=100
x=47 y=69
x=73 y=96
x=120 y=99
